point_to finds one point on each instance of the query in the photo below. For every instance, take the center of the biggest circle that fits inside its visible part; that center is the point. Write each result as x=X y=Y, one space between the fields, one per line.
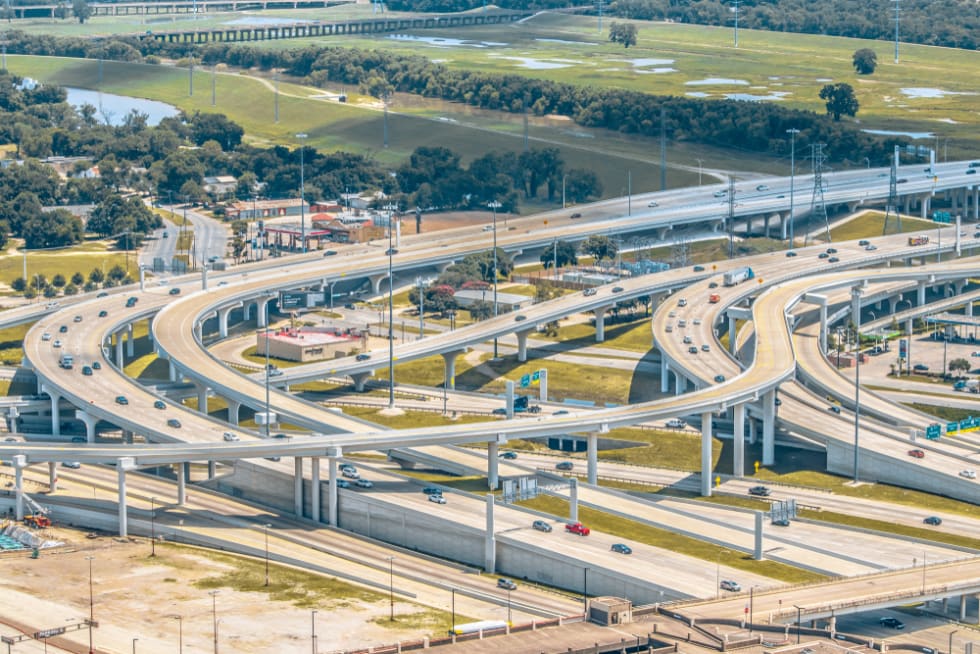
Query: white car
x=652 y=204
x=230 y=437
x=46 y=336
x=676 y=423
x=350 y=473
x=969 y=474
x=364 y=483
x=438 y=499
x=57 y=343
x=728 y=584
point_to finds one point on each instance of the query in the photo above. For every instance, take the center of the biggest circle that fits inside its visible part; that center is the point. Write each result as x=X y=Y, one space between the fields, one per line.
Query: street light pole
x=302 y=193
x=134 y=645
x=494 y=206
x=792 y=178
x=856 y=295
x=391 y=588
x=391 y=313
x=267 y=420
x=180 y=633
x=700 y=163
x=950 y=649
x=266 y=529
x=313 y=629
x=214 y=618
x=153 y=531
x=91 y=605
x=799 y=610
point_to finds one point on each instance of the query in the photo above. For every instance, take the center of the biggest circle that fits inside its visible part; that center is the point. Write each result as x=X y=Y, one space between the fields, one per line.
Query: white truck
x=737 y=276
x=66 y=361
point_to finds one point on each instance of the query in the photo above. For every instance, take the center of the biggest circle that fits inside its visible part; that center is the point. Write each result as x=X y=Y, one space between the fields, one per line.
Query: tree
x=481 y=310
x=959 y=365
x=562 y=251
x=841 y=100
x=81 y=10
x=96 y=276
x=865 y=61
x=582 y=185
x=624 y=33
x=599 y=247
x=52 y=229
x=78 y=279
x=58 y=280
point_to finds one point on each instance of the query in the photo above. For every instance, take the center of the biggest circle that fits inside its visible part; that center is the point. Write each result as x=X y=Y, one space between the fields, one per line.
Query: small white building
x=505 y=301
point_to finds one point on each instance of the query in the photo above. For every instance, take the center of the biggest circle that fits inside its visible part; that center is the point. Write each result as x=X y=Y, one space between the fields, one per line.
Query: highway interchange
x=779 y=357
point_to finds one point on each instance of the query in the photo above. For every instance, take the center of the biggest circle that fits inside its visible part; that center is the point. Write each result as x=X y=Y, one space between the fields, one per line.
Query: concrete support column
x=182 y=483
x=522 y=346
x=298 y=486
x=120 y=360
x=234 y=411
x=315 y=488
x=757 y=550
x=732 y=335
x=600 y=324
x=664 y=374
x=920 y=294
x=769 y=427
x=130 y=342
x=19 y=461
x=247 y=311
x=223 y=321
x=706 y=454
x=123 y=465
x=55 y=412
x=753 y=429
x=52 y=476
x=572 y=499
x=832 y=625
x=493 y=458
x=376 y=283
x=490 y=553
x=968 y=308
x=823 y=328
x=332 y=492
x=543 y=385
x=856 y=307
x=359 y=379
x=962 y=608
x=262 y=312
x=202 y=398
x=174 y=373
x=593 y=458
x=738 y=440
x=680 y=383
x=89 y=421
x=212 y=469
x=450 y=375
x=509 y=398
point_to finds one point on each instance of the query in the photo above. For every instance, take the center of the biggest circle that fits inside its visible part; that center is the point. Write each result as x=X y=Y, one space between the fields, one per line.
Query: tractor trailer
x=738 y=275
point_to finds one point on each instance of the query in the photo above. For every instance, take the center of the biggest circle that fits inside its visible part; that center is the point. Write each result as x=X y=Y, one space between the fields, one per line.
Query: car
x=682 y=302
x=121 y=399
x=363 y=356
x=823 y=255
x=713 y=285
x=350 y=473
x=687 y=340
x=74 y=465
x=778 y=402
x=224 y=283
x=230 y=437
x=617 y=289
x=762 y=187
x=175 y=291
x=893 y=623
x=560 y=412
x=173 y=422
x=275 y=372
x=159 y=404
x=103 y=313
x=902 y=180
x=432 y=490
x=676 y=423
x=652 y=204
x=975 y=353
x=46 y=336
x=131 y=302
x=364 y=483
x=831 y=250
x=833 y=260
x=347 y=466
x=696 y=321
x=541 y=525
x=77 y=319
x=705 y=348
x=864 y=241
x=87 y=371
x=329 y=253
x=63 y=329
x=870 y=248
x=589 y=292
x=972 y=171
x=834 y=408
x=508 y=455
x=791 y=253
x=57 y=343
x=274 y=459
x=575 y=215
x=918 y=454
x=520 y=317
x=698 y=268
x=728 y=584
x=577 y=528
x=968 y=474
x=719 y=379
x=506 y=584
x=720 y=194
x=933 y=520
x=781 y=522
x=620 y=548
x=102 y=294
x=761 y=491
x=342 y=483
x=920 y=367
x=281 y=437
x=668 y=328
x=672 y=314
x=564 y=465
x=438 y=499
x=693 y=349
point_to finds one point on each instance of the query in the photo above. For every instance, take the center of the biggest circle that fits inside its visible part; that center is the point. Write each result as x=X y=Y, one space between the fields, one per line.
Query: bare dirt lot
x=136 y=596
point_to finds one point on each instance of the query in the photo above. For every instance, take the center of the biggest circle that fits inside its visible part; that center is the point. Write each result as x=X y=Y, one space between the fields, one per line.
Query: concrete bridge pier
x=332 y=490
x=202 y=397
x=89 y=421
x=572 y=499
x=19 y=462
x=522 y=345
x=55 y=411
x=493 y=460
x=359 y=379
x=130 y=341
x=234 y=411
x=664 y=374
x=920 y=294
x=173 y=371
x=315 y=488
x=490 y=553
x=593 y=458
x=769 y=427
x=120 y=360
x=223 y=319
x=123 y=465
x=52 y=476
x=262 y=312
x=212 y=469
x=706 y=454
x=182 y=483
x=600 y=324
x=298 y=486
x=450 y=375
x=376 y=282
x=738 y=439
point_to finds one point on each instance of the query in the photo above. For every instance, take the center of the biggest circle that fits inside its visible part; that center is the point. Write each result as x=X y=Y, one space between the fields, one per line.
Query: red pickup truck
x=577 y=528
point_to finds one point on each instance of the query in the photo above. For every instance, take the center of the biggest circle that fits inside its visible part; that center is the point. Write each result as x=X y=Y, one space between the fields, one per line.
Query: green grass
x=430 y=371
x=943 y=413
x=637 y=532
x=633 y=336
x=864 y=522
x=872 y=224
x=12 y=344
x=82 y=258
x=469 y=484
x=409 y=420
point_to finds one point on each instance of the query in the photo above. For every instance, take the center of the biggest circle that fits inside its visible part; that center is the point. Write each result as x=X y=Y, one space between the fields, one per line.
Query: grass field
x=82 y=258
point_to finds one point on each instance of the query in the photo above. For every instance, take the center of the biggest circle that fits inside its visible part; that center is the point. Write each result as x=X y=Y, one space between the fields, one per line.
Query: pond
x=113 y=108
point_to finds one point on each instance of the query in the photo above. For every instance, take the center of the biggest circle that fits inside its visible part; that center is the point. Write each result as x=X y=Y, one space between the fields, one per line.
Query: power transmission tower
x=599 y=4
x=897 y=11
x=663 y=148
x=818 y=208
x=892 y=205
x=731 y=217
x=680 y=253
x=735 y=3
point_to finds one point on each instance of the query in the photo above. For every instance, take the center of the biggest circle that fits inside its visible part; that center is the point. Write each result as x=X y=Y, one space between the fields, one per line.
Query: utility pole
x=792 y=177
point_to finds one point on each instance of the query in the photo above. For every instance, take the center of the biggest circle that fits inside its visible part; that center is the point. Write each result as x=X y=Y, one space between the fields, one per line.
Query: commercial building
x=306 y=344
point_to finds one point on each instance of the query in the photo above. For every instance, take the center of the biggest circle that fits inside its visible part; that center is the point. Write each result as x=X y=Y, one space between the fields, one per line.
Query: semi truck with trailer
x=738 y=275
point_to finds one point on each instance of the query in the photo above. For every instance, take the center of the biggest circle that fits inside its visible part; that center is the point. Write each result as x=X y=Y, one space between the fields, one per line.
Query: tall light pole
x=91 y=605
x=214 y=617
x=700 y=164
x=950 y=648
x=494 y=206
x=180 y=633
x=563 y=179
x=856 y=298
x=134 y=645
x=792 y=178
x=267 y=415
x=420 y=281
x=391 y=312
x=302 y=192
x=265 y=528
x=799 y=611
x=313 y=629
x=153 y=530
x=391 y=588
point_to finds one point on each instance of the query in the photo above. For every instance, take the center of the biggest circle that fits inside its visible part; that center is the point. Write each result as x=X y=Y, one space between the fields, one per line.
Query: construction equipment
x=39 y=518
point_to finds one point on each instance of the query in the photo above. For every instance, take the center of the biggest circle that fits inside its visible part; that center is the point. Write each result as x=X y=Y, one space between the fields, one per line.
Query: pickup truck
x=577 y=528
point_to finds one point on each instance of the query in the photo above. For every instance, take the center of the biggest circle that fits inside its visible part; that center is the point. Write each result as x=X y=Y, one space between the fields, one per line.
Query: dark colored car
x=159 y=404
x=520 y=317
x=621 y=549
x=173 y=422
x=432 y=490
x=698 y=268
x=834 y=408
x=329 y=253
x=617 y=289
x=541 y=525
x=719 y=379
x=781 y=522
x=833 y=260
x=87 y=371
x=363 y=356
x=102 y=294
x=103 y=313
x=564 y=465
x=508 y=455
x=576 y=215
x=131 y=302
x=790 y=253
x=63 y=329
x=693 y=349
x=823 y=255
x=761 y=491
x=121 y=399
x=894 y=623
x=175 y=291
x=920 y=367
x=831 y=250
x=933 y=520
x=96 y=365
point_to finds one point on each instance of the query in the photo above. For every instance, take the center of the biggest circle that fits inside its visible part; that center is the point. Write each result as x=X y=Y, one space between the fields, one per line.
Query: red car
x=917 y=453
x=577 y=528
